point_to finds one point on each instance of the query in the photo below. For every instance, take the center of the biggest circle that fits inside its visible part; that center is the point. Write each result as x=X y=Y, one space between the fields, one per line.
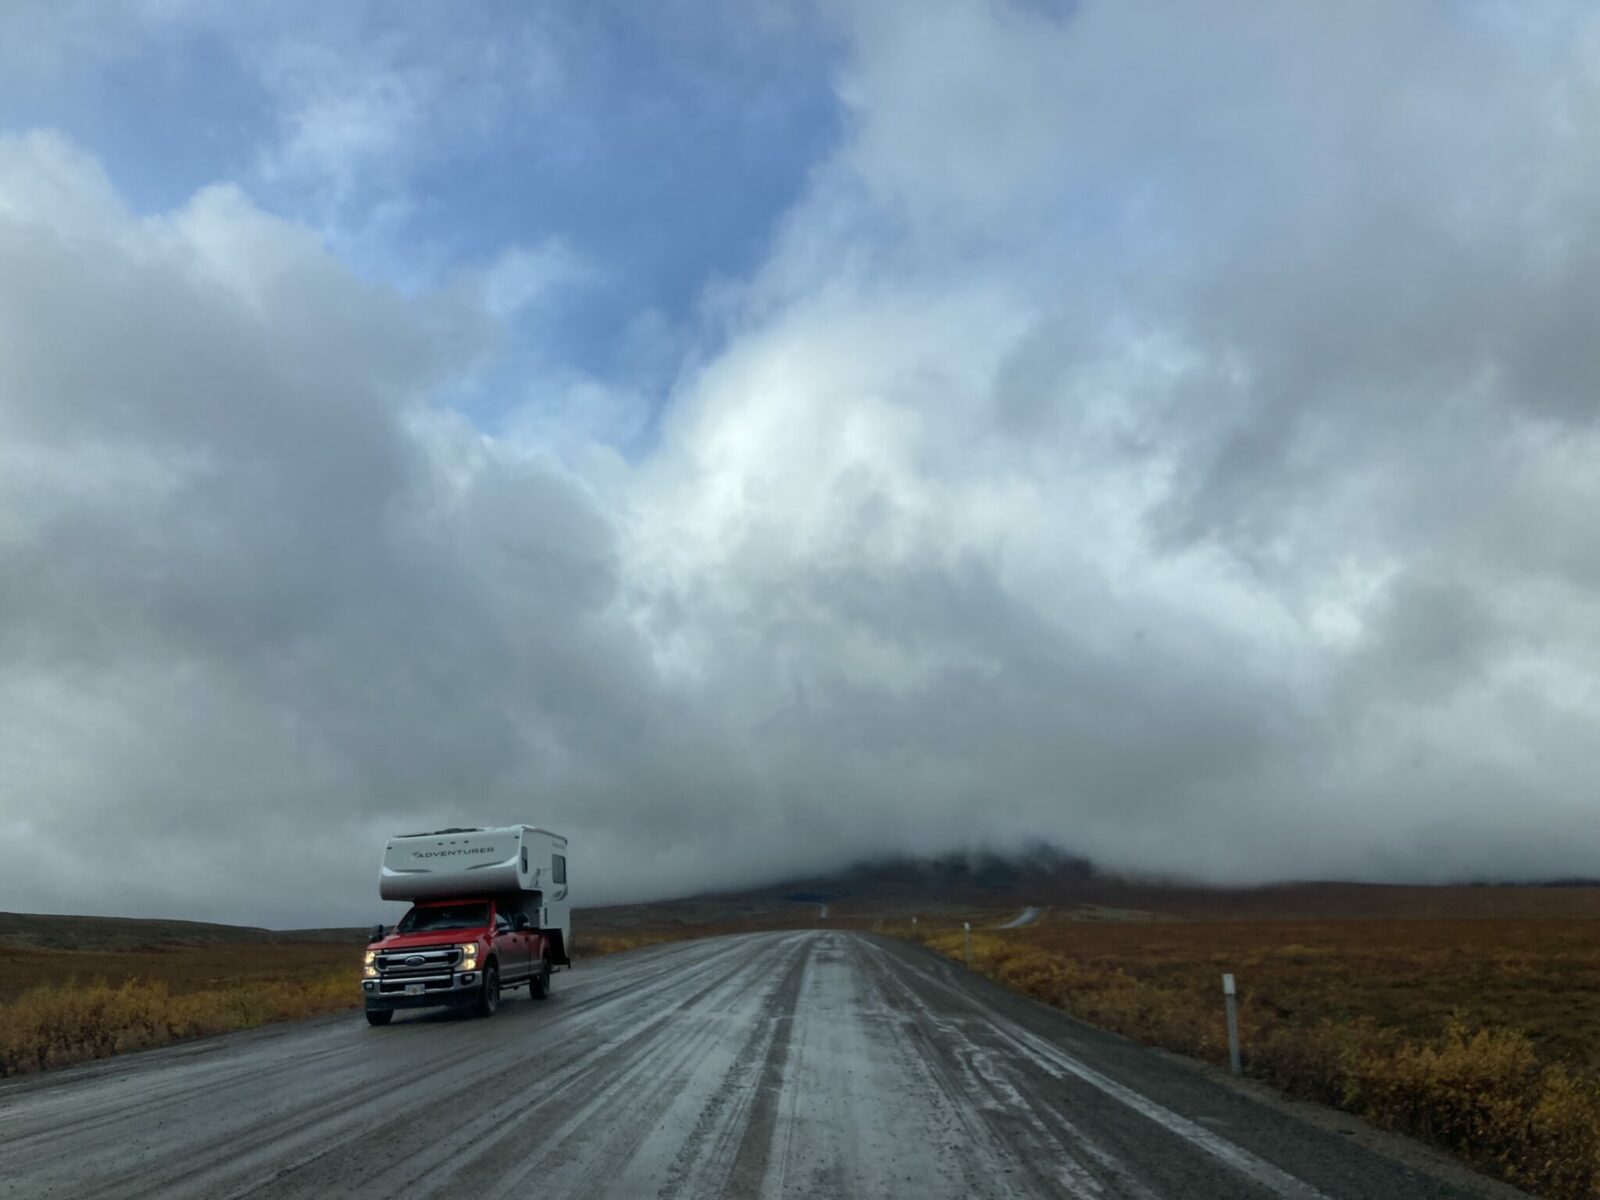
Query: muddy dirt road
x=809 y=1064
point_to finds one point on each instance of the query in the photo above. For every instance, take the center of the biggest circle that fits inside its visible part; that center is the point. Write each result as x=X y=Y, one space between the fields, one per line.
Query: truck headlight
x=469 y=956
x=368 y=968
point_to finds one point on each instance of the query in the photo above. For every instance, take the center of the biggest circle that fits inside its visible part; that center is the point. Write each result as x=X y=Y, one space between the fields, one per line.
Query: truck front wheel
x=379 y=1016
x=489 y=996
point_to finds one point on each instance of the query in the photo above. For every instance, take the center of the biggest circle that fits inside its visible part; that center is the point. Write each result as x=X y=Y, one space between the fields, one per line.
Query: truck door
x=511 y=948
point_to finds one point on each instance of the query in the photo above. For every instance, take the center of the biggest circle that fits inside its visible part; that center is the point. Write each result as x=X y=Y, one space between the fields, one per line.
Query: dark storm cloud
x=255 y=593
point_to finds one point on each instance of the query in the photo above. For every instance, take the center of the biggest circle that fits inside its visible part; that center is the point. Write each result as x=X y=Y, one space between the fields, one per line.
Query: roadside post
x=1231 y=1000
x=913 y=929
x=966 y=927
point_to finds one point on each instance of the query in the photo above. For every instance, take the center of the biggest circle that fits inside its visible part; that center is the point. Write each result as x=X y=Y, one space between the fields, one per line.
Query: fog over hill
x=1069 y=888
x=778 y=437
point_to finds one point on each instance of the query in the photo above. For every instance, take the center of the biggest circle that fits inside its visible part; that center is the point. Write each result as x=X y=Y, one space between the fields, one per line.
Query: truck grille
x=409 y=963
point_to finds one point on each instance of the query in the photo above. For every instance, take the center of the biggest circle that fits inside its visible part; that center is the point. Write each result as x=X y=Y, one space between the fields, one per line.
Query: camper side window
x=524 y=858
x=559 y=867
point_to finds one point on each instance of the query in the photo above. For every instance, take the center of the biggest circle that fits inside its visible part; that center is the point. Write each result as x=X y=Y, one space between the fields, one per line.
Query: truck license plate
x=413 y=989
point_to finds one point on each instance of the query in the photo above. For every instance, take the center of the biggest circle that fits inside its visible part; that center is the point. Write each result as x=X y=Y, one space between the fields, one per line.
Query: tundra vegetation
x=1479 y=1036
x=65 y=1006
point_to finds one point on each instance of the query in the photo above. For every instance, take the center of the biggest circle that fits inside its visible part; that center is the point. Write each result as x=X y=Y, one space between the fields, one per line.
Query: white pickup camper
x=489 y=911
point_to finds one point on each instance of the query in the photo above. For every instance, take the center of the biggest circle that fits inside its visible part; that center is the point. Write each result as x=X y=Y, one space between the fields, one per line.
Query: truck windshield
x=445 y=916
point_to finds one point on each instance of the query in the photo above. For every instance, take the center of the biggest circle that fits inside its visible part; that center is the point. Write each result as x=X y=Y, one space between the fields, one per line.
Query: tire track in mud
x=725 y=1151
x=1003 y=1126
x=659 y=1067
x=748 y=1168
x=587 y=1055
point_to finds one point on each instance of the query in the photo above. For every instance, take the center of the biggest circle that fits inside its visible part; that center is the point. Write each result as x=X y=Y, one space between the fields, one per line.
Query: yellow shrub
x=52 y=1026
x=1483 y=1093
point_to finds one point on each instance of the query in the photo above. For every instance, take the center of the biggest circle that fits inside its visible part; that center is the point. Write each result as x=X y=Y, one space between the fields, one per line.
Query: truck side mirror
x=520 y=922
x=376 y=935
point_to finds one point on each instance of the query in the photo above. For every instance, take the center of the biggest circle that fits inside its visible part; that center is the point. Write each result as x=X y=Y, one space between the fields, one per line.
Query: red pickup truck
x=458 y=952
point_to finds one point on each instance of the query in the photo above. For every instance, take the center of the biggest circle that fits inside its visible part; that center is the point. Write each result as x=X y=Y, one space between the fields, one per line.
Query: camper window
x=559 y=867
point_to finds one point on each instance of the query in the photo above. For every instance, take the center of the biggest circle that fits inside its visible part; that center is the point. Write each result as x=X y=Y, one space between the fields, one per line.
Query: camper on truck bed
x=489 y=911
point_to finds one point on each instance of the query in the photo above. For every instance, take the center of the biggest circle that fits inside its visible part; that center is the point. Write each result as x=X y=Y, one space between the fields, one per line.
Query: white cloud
x=1147 y=396
x=1185 y=455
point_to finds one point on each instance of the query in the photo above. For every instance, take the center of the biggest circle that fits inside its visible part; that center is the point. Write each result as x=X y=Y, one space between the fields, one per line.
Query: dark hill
x=1070 y=885
x=46 y=931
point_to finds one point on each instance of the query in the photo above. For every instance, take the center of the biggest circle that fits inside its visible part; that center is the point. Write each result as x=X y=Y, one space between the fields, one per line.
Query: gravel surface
x=809 y=1064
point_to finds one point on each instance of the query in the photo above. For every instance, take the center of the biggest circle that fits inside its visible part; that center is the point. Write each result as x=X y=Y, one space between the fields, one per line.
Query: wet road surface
x=796 y=1064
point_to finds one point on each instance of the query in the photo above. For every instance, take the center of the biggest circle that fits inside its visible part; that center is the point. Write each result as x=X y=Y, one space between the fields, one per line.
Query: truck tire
x=489 y=995
x=539 y=985
x=379 y=1016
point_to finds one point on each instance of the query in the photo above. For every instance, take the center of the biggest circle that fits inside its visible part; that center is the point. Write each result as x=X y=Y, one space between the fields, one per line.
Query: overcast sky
x=752 y=437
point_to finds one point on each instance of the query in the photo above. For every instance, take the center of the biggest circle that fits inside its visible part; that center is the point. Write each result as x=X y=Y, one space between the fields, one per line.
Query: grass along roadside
x=54 y=1025
x=1350 y=1014
x=617 y=943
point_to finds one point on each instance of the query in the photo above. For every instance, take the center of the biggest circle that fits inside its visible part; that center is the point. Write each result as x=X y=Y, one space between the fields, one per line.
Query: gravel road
x=1026 y=917
x=809 y=1064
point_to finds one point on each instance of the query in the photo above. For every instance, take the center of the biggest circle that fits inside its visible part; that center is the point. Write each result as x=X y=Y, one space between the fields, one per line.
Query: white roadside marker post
x=913 y=929
x=1231 y=1001
x=966 y=927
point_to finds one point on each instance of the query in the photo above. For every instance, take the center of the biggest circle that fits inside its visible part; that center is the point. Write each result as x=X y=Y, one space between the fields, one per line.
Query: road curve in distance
x=1026 y=917
x=804 y=1064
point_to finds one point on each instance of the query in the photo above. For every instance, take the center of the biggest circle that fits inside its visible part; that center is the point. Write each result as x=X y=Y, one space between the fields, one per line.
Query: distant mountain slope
x=898 y=888
x=1069 y=885
x=46 y=931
